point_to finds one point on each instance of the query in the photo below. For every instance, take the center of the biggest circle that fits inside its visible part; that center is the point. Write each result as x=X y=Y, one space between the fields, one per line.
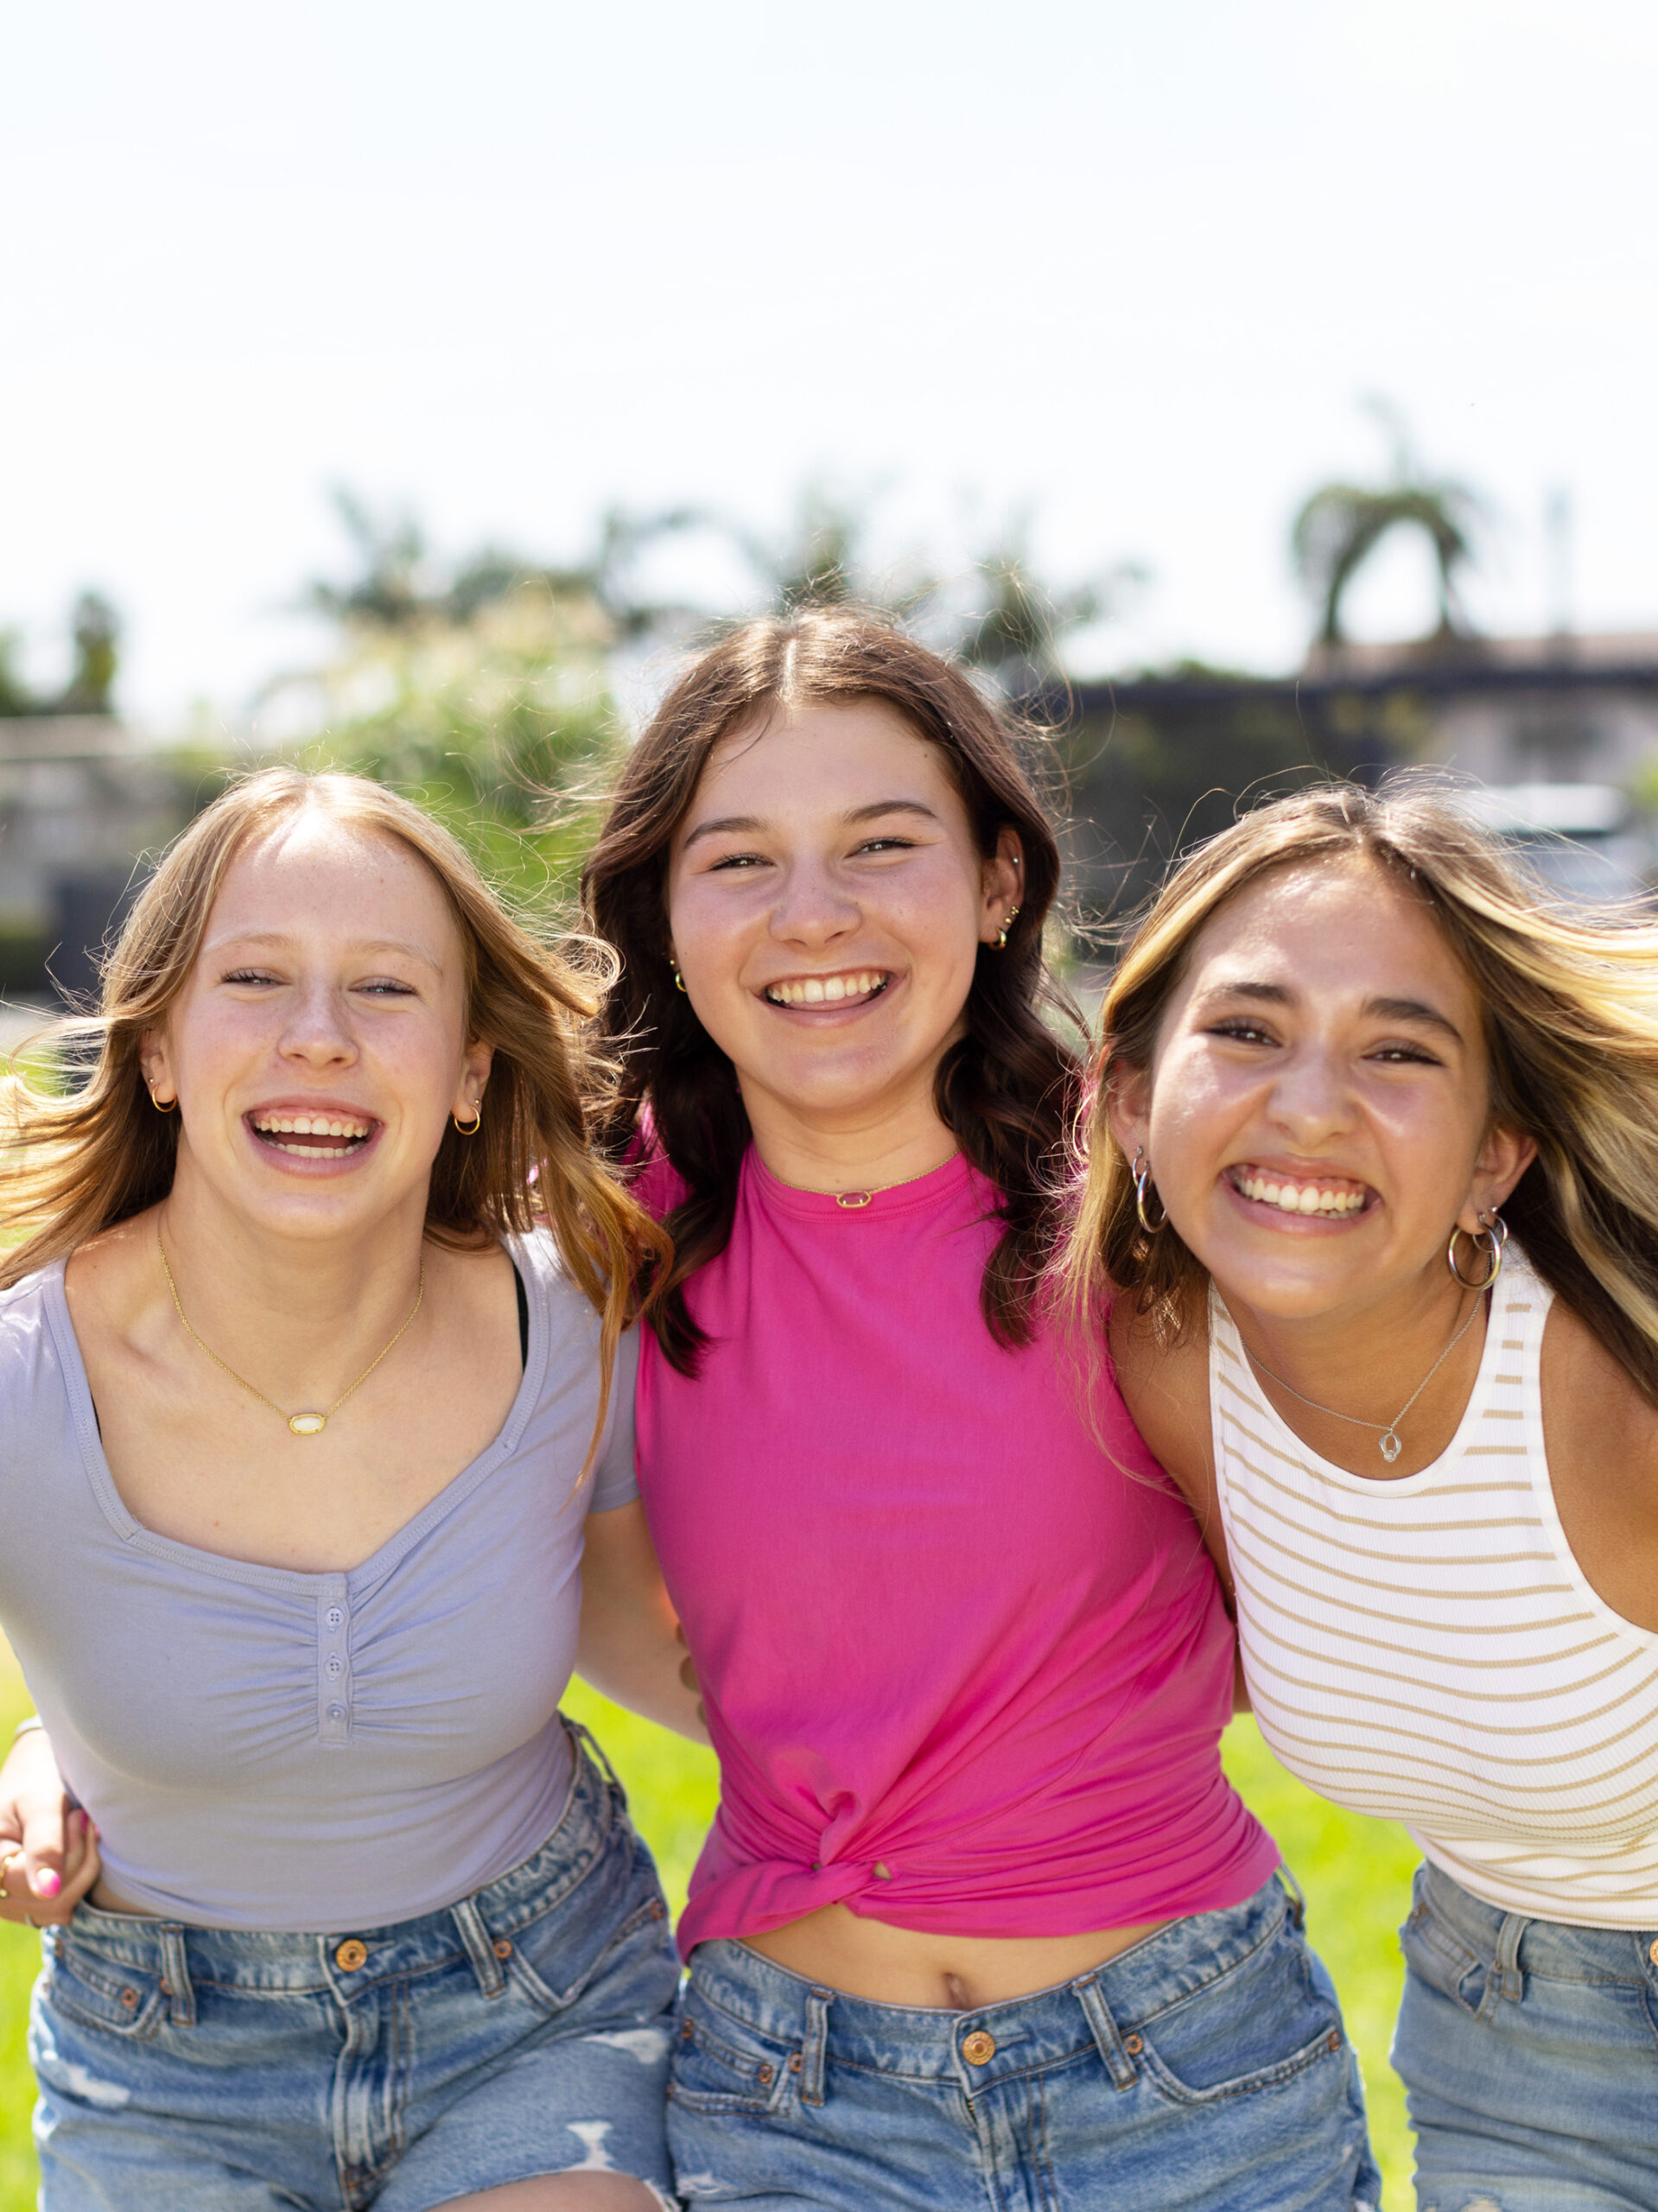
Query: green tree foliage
x=90 y=690
x=479 y=691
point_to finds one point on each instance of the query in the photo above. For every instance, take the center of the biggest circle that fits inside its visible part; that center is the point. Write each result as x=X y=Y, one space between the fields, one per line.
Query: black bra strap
x=523 y=1317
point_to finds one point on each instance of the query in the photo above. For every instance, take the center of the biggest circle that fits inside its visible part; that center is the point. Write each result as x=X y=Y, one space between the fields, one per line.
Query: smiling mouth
x=853 y=987
x=1323 y=1197
x=312 y=1136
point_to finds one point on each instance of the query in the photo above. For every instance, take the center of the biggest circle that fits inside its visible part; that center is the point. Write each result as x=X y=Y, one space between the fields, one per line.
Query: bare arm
x=630 y=1645
x=55 y=1845
x=1166 y=1388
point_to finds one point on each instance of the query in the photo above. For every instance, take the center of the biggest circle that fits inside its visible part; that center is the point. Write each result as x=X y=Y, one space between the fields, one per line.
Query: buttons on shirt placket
x=333 y=1661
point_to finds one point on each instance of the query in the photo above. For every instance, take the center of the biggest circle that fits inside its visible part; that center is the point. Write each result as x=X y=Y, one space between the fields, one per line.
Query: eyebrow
x=282 y=937
x=741 y=825
x=1416 y=1011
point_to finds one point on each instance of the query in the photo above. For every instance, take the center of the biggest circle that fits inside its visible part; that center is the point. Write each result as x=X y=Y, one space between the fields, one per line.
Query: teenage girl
x=311 y=1430
x=981 y=1920
x=1376 y=1171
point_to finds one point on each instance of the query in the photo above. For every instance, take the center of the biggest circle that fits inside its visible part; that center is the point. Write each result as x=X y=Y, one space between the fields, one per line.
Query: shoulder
x=30 y=1362
x=1593 y=1408
x=1163 y=1374
x=548 y=1282
x=573 y=1328
x=653 y=1181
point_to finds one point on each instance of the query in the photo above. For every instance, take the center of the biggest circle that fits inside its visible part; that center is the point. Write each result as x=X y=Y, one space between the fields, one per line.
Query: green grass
x=1356 y=1874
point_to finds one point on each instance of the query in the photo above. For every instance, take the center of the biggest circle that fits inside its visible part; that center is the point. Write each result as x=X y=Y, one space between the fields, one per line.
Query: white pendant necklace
x=1387 y=1439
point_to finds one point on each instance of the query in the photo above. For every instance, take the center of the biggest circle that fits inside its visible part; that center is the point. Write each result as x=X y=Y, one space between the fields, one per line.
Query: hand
x=688 y=1674
x=48 y=1847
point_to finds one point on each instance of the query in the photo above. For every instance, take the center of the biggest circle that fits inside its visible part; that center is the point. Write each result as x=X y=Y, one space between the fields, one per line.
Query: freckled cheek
x=1195 y=1115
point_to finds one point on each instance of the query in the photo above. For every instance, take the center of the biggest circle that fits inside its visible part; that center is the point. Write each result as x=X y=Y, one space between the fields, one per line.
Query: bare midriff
x=902 y=1966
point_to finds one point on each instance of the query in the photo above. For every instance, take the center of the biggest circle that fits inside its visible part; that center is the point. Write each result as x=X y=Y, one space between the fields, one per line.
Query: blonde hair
x=1570 y=1005
x=75 y=1163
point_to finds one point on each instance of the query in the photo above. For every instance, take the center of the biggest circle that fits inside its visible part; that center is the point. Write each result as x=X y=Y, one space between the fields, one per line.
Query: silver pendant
x=313 y=1424
x=1389 y=1447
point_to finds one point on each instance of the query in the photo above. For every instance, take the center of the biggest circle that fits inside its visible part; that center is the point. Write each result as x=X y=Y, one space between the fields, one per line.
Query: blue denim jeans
x=1529 y=2053
x=1204 y=2070
x=524 y=2030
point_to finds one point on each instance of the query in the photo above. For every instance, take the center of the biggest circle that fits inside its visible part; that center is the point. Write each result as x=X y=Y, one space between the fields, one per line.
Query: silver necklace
x=1388 y=1442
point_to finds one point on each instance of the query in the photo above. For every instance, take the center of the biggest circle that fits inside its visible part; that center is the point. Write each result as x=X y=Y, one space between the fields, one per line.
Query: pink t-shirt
x=966 y=1671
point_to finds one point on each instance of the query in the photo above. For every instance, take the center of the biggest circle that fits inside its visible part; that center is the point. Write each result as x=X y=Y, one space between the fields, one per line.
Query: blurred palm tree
x=1341 y=524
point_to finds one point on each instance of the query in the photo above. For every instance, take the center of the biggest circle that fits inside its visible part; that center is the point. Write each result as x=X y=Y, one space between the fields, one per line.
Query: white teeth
x=1293 y=1197
x=820 y=990
x=314 y=1125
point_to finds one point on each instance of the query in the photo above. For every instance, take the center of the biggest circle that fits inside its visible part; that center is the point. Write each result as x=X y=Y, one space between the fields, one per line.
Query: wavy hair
x=1006 y=1089
x=1570 y=1008
x=73 y=1164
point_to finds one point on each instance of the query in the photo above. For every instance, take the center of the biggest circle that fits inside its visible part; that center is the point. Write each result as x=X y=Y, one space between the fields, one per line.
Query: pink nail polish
x=46 y=1884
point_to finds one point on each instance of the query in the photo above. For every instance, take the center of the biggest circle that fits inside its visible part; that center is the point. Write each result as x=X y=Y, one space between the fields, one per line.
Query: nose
x=316 y=1030
x=812 y=909
x=1312 y=1096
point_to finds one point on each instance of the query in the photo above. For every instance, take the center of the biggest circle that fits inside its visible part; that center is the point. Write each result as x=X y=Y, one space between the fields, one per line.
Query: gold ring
x=7 y=1861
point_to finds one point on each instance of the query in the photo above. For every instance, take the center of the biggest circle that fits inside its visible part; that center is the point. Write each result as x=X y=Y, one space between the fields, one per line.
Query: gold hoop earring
x=679 y=981
x=470 y=1128
x=1494 y=1235
x=1142 y=1184
x=1013 y=916
x=171 y=1107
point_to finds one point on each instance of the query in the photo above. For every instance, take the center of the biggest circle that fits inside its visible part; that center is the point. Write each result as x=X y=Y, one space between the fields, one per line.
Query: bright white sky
x=1135 y=266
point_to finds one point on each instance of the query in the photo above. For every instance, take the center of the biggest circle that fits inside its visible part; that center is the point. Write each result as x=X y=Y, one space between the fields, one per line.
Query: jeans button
x=980 y=2047
x=351 y=1954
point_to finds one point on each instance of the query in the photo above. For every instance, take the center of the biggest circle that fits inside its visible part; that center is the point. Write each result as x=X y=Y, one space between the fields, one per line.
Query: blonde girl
x=316 y=1416
x=1372 y=1201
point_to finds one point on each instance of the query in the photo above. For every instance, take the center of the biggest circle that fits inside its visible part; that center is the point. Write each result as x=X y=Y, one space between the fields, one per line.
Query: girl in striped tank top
x=1353 y=1047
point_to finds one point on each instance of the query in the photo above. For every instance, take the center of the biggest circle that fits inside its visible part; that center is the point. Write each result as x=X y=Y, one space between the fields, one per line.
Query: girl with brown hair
x=315 y=1444
x=979 y=1919
x=1372 y=1208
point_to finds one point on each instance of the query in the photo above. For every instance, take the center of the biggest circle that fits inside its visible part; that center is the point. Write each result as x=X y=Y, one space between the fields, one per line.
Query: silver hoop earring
x=1493 y=1236
x=1142 y=1184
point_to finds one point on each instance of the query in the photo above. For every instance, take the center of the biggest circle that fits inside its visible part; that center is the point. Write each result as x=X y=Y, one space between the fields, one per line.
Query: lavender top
x=266 y=1749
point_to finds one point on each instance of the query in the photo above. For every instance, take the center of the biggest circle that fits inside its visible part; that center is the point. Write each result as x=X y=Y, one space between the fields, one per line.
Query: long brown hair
x=1006 y=1089
x=1570 y=1003
x=77 y=1162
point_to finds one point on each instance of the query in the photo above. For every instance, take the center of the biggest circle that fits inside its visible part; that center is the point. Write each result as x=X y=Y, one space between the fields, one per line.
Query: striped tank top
x=1428 y=1650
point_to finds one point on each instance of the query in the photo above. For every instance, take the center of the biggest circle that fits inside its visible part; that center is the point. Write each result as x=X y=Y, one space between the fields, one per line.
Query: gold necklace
x=302 y=1424
x=855 y=1201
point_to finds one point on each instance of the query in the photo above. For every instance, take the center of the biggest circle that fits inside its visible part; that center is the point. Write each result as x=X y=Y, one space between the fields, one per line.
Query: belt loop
x=175 y=1977
x=814 y=2052
x=491 y=1980
x=1297 y=1902
x=1504 y=1978
x=1100 y=2019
